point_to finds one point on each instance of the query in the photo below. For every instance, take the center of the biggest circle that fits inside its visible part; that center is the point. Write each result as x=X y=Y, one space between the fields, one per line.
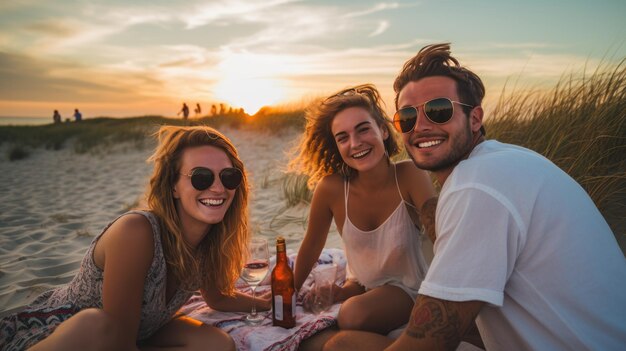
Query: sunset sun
x=250 y=93
x=248 y=81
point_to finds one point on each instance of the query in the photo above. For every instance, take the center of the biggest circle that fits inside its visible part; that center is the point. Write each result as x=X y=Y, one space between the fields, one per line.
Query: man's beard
x=461 y=147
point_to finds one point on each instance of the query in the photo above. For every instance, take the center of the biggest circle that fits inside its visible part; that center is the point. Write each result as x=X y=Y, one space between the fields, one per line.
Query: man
x=77 y=115
x=184 y=110
x=520 y=248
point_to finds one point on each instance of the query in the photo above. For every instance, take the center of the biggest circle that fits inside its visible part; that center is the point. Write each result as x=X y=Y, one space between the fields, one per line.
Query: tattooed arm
x=437 y=324
x=427 y=217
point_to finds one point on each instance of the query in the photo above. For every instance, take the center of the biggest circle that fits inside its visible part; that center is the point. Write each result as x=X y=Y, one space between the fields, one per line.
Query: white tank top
x=390 y=254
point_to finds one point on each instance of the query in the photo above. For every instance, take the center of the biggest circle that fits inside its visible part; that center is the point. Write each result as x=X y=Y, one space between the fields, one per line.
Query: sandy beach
x=53 y=203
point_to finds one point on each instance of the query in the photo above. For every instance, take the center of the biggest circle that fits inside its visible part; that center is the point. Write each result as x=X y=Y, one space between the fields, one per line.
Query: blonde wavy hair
x=317 y=155
x=218 y=258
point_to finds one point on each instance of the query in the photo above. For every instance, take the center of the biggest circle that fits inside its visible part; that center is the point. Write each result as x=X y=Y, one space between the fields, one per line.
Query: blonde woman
x=144 y=266
x=374 y=202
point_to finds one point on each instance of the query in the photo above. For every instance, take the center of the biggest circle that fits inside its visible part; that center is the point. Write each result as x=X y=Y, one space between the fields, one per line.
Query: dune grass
x=102 y=132
x=84 y=135
x=295 y=189
x=580 y=125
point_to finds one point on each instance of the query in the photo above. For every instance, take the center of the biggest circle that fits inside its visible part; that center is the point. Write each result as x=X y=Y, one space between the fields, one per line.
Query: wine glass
x=254 y=270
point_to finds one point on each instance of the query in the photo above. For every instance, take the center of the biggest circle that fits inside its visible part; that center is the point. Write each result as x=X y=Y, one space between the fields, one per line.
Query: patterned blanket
x=265 y=337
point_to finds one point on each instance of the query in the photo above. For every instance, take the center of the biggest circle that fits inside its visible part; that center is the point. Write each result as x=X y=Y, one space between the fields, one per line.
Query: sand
x=53 y=203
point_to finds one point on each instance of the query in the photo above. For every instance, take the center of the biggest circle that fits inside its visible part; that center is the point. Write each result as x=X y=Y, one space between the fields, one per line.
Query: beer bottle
x=283 y=289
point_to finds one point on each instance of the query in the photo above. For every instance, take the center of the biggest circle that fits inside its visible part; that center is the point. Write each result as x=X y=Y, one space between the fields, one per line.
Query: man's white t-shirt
x=517 y=232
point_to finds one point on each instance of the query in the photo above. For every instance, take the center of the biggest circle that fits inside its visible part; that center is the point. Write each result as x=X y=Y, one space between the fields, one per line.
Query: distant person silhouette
x=198 y=110
x=56 y=117
x=77 y=115
x=213 y=110
x=184 y=110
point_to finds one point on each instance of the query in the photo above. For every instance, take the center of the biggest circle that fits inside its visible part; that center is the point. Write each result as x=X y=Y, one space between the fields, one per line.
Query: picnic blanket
x=265 y=337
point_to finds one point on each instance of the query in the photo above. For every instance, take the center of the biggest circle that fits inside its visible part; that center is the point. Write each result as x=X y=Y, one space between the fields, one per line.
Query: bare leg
x=89 y=329
x=357 y=340
x=379 y=310
x=317 y=341
x=184 y=333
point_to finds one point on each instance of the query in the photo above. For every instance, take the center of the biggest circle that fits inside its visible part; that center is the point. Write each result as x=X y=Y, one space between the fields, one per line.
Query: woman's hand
x=264 y=301
x=309 y=297
x=240 y=302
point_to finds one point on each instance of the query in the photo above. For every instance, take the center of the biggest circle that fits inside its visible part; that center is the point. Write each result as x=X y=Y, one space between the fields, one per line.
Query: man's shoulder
x=497 y=165
x=495 y=147
x=492 y=154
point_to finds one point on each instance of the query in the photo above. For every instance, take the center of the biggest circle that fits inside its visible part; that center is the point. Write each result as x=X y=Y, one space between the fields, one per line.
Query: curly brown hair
x=218 y=258
x=317 y=152
x=436 y=60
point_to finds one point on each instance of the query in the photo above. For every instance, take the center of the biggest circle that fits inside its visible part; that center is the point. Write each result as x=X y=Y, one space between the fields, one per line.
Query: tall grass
x=580 y=125
x=85 y=135
x=295 y=189
x=102 y=132
x=274 y=119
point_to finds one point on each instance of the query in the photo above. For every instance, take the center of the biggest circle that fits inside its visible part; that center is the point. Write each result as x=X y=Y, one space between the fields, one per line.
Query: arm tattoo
x=442 y=322
x=433 y=319
x=427 y=217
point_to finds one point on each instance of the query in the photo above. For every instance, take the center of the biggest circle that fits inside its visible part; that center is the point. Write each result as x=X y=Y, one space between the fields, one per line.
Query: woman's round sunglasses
x=438 y=111
x=202 y=178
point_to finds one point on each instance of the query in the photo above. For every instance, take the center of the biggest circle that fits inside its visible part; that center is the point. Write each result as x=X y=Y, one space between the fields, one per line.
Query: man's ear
x=476 y=118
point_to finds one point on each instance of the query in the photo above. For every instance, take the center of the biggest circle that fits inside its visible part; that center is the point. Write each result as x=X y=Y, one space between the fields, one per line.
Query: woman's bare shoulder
x=417 y=182
x=332 y=183
x=328 y=191
x=133 y=224
x=131 y=233
x=406 y=168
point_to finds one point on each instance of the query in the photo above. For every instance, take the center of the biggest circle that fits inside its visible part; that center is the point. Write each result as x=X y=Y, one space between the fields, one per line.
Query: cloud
x=63 y=28
x=382 y=27
x=232 y=10
x=285 y=27
x=28 y=79
x=374 y=9
x=532 y=64
x=527 y=45
x=17 y=4
x=52 y=28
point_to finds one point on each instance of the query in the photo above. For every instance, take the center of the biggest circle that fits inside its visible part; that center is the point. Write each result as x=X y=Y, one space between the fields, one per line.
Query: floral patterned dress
x=39 y=319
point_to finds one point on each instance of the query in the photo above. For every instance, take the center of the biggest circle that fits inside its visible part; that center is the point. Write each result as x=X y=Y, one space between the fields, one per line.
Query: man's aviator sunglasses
x=438 y=111
x=202 y=178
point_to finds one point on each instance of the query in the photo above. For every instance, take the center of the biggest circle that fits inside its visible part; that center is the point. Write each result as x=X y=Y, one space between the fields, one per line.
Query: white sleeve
x=478 y=242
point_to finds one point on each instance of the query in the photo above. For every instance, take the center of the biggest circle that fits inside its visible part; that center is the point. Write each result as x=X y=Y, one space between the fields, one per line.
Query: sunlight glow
x=250 y=81
x=251 y=93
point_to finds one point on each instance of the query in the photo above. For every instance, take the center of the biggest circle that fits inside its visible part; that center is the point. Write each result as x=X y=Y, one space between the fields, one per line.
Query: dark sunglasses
x=202 y=178
x=438 y=111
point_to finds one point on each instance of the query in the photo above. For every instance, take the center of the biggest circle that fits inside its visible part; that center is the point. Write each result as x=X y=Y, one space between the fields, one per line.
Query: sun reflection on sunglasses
x=438 y=111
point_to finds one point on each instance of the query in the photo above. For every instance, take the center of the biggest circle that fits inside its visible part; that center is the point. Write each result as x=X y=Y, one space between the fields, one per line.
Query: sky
x=130 y=58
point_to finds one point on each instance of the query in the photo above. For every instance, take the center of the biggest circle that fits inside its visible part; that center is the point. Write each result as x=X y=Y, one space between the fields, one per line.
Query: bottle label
x=278 y=307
